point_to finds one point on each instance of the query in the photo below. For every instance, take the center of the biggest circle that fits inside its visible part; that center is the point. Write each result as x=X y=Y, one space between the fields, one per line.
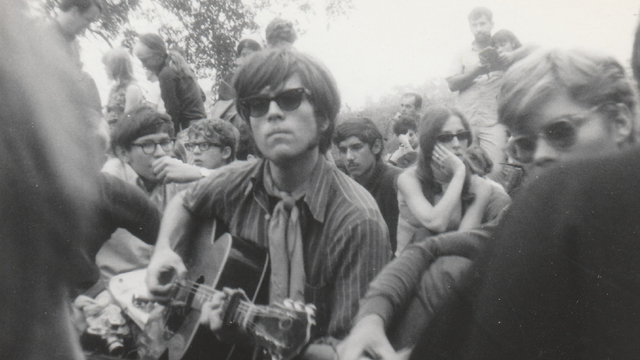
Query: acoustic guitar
x=172 y=332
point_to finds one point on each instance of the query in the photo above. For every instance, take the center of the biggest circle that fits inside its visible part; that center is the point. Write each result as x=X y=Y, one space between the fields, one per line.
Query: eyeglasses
x=256 y=106
x=560 y=133
x=203 y=146
x=461 y=136
x=149 y=147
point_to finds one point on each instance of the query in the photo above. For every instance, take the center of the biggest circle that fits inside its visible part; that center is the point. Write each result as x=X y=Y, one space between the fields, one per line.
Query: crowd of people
x=504 y=227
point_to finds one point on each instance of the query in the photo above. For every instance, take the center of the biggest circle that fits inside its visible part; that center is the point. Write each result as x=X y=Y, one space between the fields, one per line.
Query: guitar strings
x=207 y=293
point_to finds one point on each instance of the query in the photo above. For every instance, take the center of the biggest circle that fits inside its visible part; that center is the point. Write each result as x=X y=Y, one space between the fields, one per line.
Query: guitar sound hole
x=285 y=324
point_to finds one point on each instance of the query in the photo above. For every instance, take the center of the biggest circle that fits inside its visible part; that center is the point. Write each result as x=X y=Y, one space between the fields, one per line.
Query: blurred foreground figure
x=46 y=187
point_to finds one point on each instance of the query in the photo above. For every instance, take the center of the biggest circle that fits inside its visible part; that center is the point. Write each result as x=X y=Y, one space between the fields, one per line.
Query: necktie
x=285 y=245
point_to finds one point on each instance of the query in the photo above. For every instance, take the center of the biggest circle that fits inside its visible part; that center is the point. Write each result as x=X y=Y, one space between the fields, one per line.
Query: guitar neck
x=238 y=314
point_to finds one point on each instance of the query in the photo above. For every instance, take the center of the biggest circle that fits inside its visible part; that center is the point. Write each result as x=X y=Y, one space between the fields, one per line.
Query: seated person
x=189 y=163
x=406 y=129
x=142 y=141
x=409 y=292
x=211 y=143
x=360 y=145
x=439 y=193
x=291 y=102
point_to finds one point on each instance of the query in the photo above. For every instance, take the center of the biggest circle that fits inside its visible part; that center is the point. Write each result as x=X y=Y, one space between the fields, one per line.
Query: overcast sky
x=380 y=43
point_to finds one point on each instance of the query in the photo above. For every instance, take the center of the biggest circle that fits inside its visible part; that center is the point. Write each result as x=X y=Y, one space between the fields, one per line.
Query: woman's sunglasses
x=258 y=105
x=446 y=138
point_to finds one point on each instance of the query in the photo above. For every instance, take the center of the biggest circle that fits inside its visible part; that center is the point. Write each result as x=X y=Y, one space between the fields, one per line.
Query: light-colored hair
x=280 y=31
x=589 y=78
x=119 y=65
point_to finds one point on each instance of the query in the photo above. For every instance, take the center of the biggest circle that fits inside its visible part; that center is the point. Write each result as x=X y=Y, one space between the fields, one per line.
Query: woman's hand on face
x=447 y=160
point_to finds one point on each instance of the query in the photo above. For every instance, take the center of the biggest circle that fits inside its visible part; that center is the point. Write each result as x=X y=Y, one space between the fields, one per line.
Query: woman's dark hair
x=431 y=124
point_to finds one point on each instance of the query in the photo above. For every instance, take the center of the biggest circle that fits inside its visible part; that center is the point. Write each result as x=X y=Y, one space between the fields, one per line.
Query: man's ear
x=122 y=154
x=323 y=123
x=623 y=124
x=226 y=153
x=376 y=148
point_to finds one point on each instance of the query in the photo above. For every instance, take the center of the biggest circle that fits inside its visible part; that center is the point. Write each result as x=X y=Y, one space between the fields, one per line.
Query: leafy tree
x=205 y=31
x=113 y=20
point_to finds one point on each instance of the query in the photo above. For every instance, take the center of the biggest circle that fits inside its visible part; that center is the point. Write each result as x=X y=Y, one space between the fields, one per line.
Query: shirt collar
x=316 y=195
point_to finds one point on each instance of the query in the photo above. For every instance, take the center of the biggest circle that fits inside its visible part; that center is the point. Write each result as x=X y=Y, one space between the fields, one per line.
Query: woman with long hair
x=440 y=193
x=183 y=98
x=125 y=93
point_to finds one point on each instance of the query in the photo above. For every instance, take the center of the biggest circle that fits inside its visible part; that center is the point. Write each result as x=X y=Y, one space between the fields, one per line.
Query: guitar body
x=174 y=332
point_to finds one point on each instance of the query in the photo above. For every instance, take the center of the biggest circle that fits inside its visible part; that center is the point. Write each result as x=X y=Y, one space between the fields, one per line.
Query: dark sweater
x=182 y=96
x=382 y=185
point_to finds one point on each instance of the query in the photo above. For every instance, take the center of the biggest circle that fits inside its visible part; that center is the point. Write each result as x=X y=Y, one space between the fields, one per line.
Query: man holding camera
x=476 y=75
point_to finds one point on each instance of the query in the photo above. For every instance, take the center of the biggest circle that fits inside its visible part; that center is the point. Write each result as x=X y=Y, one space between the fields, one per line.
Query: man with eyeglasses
x=212 y=143
x=324 y=233
x=566 y=104
x=143 y=142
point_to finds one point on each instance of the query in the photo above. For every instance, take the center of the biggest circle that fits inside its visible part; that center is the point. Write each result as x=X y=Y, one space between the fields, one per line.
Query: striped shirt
x=346 y=241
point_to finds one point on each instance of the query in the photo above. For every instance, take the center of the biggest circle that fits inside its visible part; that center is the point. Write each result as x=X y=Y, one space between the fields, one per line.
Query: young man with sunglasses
x=566 y=104
x=324 y=232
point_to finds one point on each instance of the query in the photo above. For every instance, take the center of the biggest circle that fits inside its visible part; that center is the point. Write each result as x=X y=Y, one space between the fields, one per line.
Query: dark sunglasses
x=448 y=137
x=204 y=146
x=257 y=106
x=560 y=133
